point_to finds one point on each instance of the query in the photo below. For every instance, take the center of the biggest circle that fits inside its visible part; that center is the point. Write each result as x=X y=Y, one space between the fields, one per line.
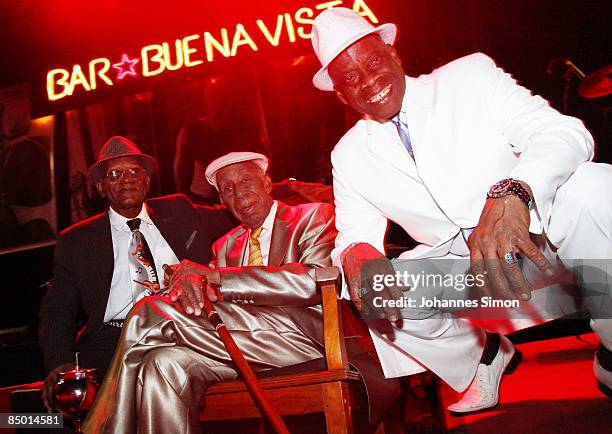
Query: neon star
x=126 y=66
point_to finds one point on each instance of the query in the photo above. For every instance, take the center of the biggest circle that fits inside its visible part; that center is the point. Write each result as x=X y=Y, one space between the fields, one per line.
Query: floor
x=552 y=391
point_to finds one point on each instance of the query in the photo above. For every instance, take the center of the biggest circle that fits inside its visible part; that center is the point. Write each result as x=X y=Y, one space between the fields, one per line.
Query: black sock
x=604 y=357
x=491 y=348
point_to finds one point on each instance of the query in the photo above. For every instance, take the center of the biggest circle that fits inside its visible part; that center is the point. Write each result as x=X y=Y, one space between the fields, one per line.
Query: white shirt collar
x=119 y=222
x=268 y=223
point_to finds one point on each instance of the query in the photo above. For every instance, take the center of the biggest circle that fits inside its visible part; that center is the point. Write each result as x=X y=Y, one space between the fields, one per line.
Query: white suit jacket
x=470 y=125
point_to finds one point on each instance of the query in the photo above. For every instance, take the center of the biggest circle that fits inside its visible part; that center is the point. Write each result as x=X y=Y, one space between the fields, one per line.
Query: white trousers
x=580 y=227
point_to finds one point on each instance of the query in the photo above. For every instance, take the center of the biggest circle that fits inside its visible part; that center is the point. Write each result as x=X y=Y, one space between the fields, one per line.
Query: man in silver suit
x=262 y=279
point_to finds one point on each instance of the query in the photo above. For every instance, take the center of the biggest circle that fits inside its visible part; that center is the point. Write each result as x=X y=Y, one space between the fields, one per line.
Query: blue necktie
x=403 y=132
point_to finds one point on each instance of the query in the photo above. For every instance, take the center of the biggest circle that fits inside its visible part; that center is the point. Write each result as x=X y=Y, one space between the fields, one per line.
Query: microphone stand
x=566 y=68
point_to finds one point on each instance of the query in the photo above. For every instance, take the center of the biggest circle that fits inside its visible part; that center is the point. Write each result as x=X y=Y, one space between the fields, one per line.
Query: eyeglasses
x=116 y=174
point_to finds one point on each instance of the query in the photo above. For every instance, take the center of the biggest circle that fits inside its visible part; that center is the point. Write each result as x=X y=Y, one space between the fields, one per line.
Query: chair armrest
x=328 y=279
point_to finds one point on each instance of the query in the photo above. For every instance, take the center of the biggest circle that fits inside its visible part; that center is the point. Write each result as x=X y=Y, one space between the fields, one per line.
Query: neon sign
x=125 y=67
x=191 y=50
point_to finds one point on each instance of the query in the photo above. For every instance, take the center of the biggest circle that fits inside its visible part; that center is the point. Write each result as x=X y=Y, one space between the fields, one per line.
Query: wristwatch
x=509 y=186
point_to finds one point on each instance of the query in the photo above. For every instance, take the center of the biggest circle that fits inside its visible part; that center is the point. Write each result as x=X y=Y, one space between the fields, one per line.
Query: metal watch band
x=509 y=186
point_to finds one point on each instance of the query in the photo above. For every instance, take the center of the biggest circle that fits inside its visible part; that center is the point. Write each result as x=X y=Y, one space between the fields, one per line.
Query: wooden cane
x=257 y=392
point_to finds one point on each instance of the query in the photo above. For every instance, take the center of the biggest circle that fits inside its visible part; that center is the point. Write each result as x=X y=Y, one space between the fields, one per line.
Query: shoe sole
x=469 y=413
x=516 y=359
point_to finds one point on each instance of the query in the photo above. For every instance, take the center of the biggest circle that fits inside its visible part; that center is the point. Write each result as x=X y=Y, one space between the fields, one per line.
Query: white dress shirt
x=265 y=237
x=120 y=299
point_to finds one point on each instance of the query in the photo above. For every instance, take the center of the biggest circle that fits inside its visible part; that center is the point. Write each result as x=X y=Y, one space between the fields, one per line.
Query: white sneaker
x=604 y=378
x=484 y=391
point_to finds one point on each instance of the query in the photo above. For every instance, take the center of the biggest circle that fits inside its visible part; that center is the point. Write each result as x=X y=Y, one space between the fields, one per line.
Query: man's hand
x=501 y=234
x=48 y=396
x=186 y=282
x=360 y=264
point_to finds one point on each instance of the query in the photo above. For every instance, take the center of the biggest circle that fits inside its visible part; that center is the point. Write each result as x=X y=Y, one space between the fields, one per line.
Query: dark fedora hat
x=116 y=147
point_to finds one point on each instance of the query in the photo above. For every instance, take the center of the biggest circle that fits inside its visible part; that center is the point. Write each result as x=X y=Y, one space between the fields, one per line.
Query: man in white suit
x=471 y=165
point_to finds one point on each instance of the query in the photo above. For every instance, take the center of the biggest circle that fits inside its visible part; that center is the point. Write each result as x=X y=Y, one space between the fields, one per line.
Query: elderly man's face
x=245 y=190
x=369 y=78
x=125 y=185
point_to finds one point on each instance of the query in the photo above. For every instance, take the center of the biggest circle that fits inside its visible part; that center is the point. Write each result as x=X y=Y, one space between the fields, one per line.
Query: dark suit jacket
x=83 y=269
x=303 y=237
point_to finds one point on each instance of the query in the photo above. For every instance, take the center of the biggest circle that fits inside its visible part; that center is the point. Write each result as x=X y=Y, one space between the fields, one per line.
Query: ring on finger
x=510 y=258
x=179 y=293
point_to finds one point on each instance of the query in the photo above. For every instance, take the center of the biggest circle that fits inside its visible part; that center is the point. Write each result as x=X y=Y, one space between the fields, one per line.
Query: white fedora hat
x=334 y=30
x=233 y=158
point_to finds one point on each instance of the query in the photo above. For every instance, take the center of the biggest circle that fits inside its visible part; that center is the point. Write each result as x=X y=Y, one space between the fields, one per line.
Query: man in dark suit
x=97 y=279
x=263 y=275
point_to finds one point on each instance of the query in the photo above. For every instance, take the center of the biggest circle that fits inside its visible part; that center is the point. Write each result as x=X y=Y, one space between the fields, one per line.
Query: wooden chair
x=336 y=391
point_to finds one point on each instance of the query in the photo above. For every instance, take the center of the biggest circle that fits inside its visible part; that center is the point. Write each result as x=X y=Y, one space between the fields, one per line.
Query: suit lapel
x=104 y=242
x=384 y=141
x=102 y=260
x=279 y=244
x=236 y=246
x=418 y=109
x=386 y=144
x=172 y=231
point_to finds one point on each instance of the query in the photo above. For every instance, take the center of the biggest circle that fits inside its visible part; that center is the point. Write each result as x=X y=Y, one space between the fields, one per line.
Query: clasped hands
x=188 y=284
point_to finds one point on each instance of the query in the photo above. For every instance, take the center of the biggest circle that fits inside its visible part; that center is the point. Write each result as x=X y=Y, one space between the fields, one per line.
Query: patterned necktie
x=145 y=279
x=404 y=134
x=255 y=257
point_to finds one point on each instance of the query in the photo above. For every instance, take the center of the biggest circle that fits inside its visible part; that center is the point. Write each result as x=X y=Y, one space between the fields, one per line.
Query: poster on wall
x=27 y=197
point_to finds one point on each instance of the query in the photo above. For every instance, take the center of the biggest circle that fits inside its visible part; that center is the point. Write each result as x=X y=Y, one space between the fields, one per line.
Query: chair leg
x=338 y=417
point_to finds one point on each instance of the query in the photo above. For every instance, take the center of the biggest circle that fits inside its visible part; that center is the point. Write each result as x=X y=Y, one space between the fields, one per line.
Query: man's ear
x=341 y=97
x=100 y=189
x=394 y=54
x=148 y=182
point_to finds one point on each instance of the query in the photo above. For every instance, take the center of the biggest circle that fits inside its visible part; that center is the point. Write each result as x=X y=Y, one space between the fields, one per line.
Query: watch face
x=501 y=188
